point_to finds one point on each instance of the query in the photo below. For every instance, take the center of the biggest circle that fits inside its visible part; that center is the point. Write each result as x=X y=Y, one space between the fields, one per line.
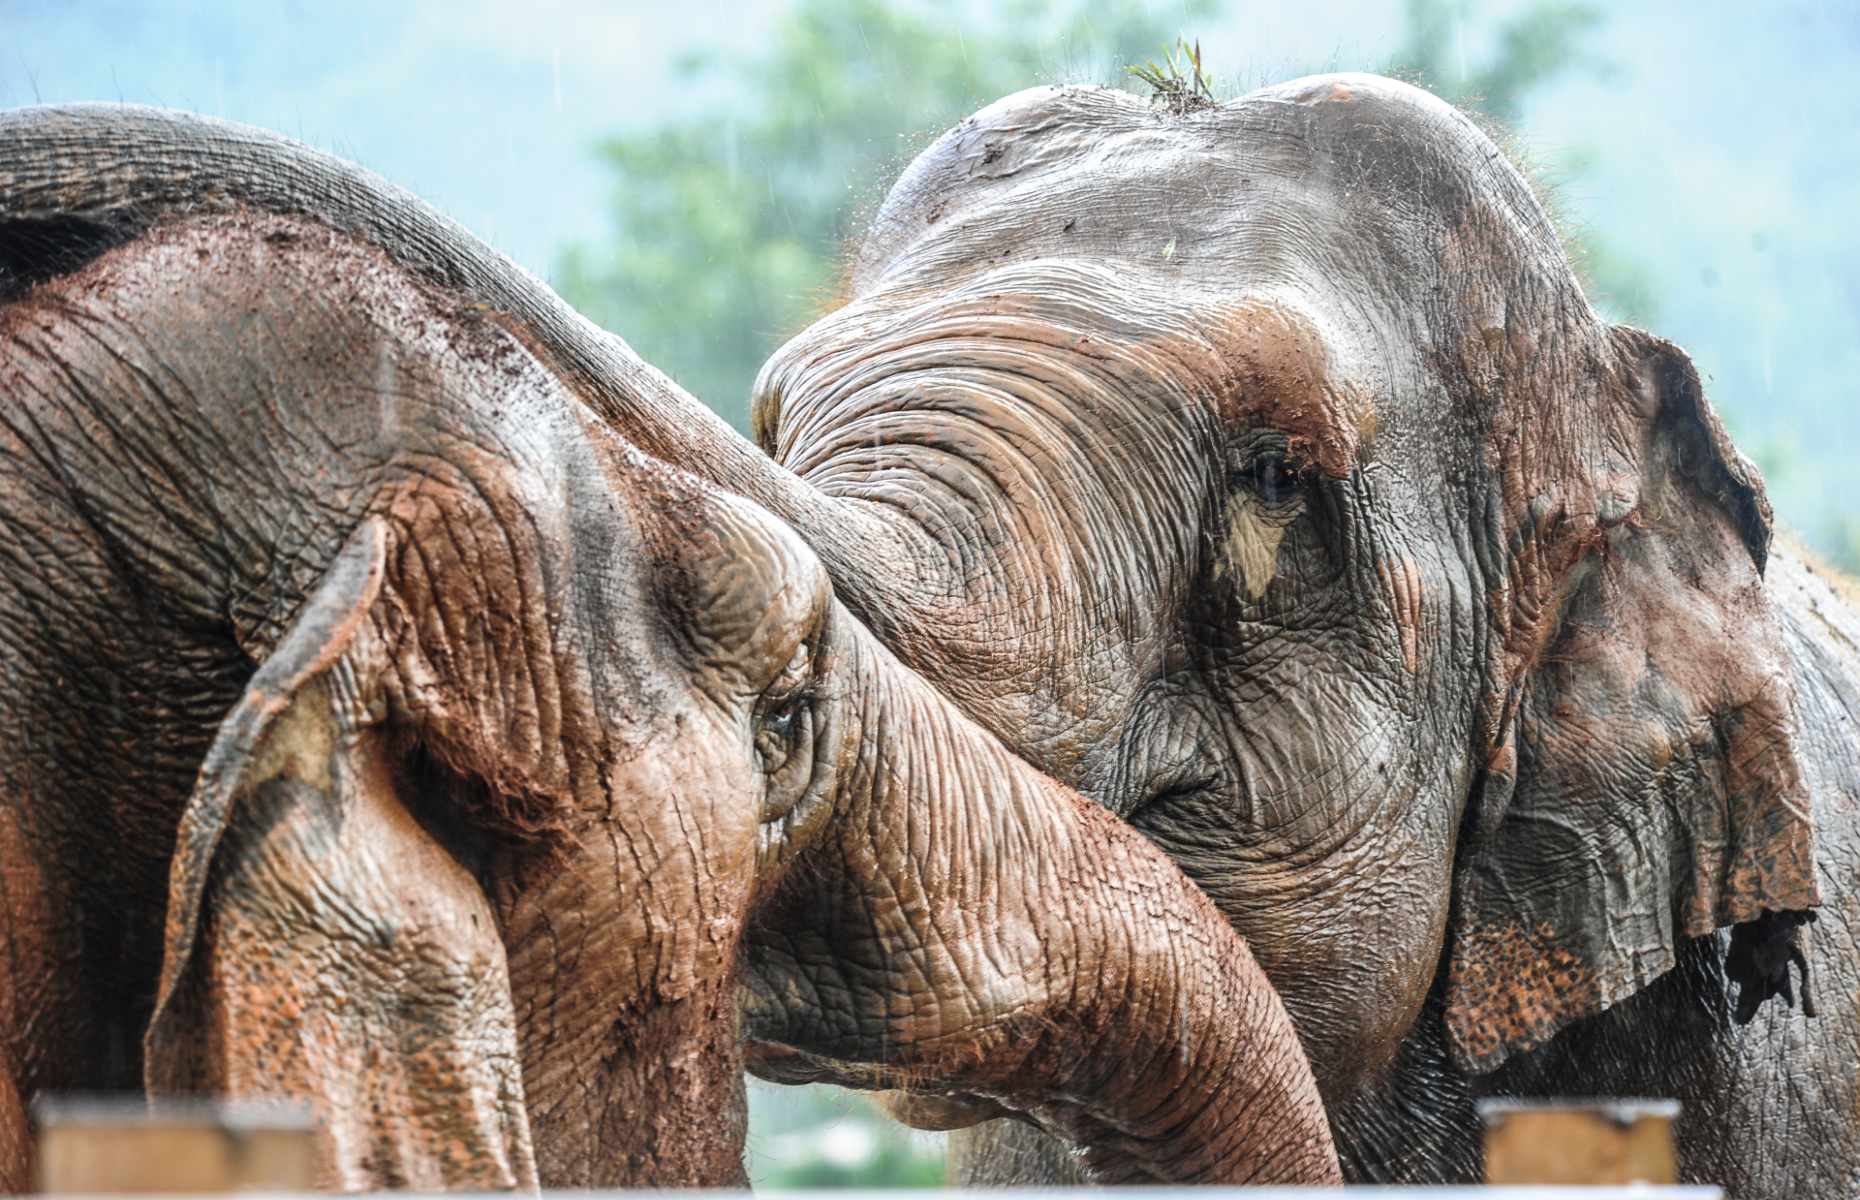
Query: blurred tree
x=891 y=1166
x=1846 y=542
x=1534 y=47
x=730 y=222
x=892 y=1159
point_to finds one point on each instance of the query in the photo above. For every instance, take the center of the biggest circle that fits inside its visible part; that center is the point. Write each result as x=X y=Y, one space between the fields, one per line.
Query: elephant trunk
x=1031 y=953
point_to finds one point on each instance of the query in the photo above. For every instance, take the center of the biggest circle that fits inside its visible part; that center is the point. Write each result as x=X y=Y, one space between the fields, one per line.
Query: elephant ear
x=320 y=943
x=1642 y=784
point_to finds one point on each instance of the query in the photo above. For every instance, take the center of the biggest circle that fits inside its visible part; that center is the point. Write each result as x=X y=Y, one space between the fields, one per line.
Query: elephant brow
x=1273 y=370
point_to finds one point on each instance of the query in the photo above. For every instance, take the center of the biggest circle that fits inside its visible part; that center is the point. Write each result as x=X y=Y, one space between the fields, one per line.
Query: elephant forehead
x=1352 y=180
x=1175 y=200
x=1287 y=361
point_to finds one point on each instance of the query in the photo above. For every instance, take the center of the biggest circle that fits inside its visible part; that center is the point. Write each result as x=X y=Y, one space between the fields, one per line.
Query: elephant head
x=1261 y=471
x=468 y=857
x=543 y=750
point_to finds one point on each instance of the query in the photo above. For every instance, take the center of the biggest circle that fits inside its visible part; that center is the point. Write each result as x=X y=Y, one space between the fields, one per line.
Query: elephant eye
x=784 y=735
x=1274 y=477
x=777 y=735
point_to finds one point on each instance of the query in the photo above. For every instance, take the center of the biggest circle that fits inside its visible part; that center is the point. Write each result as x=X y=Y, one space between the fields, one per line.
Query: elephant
x=1287 y=496
x=1261 y=471
x=383 y=728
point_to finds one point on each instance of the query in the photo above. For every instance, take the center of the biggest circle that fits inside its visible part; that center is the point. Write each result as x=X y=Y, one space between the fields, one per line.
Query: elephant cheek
x=15 y=1133
x=1352 y=968
x=623 y=956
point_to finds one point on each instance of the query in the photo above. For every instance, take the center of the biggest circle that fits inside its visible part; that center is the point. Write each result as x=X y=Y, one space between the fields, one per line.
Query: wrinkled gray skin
x=1262 y=472
x=506 y=761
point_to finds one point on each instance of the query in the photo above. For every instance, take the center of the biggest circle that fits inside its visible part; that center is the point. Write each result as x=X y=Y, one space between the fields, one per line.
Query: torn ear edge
x=1643 y=785
x=246 y=752
x=1723 y=473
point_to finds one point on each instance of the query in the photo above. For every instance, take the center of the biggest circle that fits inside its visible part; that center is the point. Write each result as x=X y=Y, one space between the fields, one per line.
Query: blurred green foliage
x=1534 y=47
x=1847 y=544
x=890 y=1167
x=895 y=1162
x=821 y=1137
x=729 y=223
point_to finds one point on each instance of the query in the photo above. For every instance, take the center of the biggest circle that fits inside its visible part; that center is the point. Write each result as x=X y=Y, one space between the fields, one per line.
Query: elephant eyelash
x=1277 y=478
x=785 y=733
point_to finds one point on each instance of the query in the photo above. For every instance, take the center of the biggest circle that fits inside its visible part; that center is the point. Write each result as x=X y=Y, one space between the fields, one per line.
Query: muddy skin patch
x=1512 y=988
x=1278 y=373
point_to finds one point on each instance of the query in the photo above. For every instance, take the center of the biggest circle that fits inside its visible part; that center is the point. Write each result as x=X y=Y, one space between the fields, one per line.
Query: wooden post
x=130 y=1145
x=1579 y=1141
